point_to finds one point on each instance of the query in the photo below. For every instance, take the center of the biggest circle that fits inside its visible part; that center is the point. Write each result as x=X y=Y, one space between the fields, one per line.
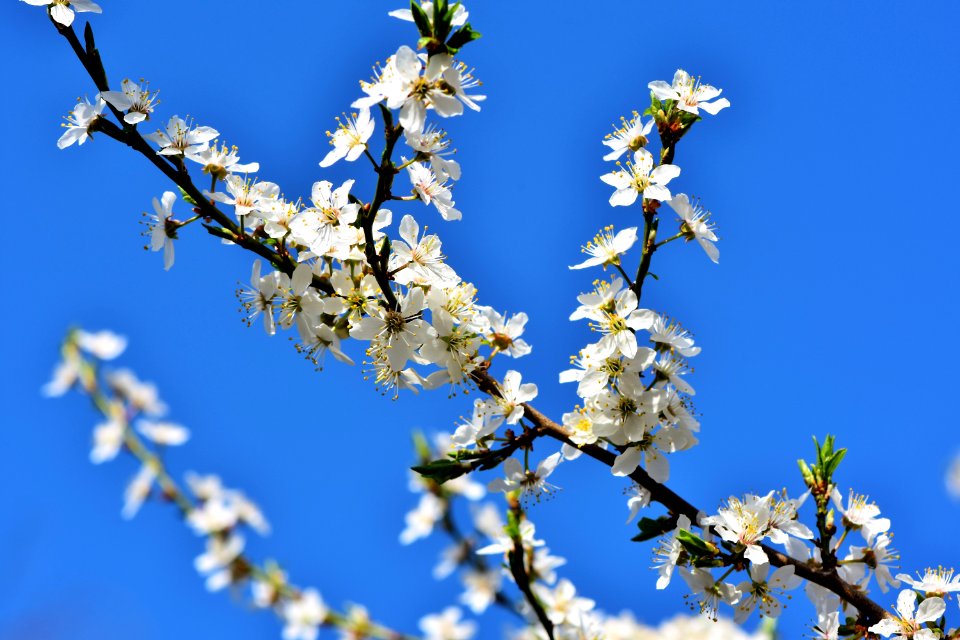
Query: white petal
x=624 y=197
x=627 y=462
x=930 y=609
x=756 y=555
x=62 y=14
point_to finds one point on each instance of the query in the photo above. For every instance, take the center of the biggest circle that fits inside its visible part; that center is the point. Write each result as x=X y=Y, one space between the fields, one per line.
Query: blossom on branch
x=640 y=178
x=62 y=11
x=350 y=139
x=606 y=248
x=689 y=93
x=180 y=138
x=162 y=231
x=133 y=98
x=80 y=122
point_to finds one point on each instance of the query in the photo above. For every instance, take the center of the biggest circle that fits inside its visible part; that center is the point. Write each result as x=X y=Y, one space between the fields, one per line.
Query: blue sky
x=829 y=312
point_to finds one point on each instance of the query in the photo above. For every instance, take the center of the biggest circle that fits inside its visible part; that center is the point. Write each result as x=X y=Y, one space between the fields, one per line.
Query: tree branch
x=677 y=506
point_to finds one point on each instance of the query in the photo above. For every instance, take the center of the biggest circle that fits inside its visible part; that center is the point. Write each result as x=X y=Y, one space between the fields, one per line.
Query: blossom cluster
x=331 y=267
x=345 y=276
x=571 y=615
x=133 y=423
x=636 y=395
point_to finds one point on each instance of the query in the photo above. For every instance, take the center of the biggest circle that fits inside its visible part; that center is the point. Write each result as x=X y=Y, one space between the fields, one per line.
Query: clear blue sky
x=832 y=309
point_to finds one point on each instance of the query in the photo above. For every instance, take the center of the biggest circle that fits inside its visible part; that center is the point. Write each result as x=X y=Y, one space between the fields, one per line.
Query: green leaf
x=441 y=27
x=439 y=9
x=186 y=197
x=512 y=528
x=653 y=528
x=441 y=470
x=687 y=118
x=769 y=628
x=695 y=545
x=421 y=446
x=420 y=19
x=426 y=42
x=461 y=37
x=655 y=103
x=467 y=454
x=835 y=461
x=452 y=11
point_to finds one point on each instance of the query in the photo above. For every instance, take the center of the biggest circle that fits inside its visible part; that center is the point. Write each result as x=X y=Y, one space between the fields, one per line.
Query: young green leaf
x=695 y=545
x=420 y=19
x=461 y=37
x=186 y=197
x=653 y=528
x=441 y=470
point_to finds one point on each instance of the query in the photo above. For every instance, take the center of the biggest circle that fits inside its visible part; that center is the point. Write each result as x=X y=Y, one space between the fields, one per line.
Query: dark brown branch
x=677 y=505
x=650 y=224
x=130 y=136
x=385 y=175
x=470 y=556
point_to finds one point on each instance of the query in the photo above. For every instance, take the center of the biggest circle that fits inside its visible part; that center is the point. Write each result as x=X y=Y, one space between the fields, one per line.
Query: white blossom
x=62 y=11
x=460 y=14
x=933 y=582
x=418 y=260
x=447 y=626
x=246 y=196
x=745 y=522
x=350 y=139
x=80 y=121
x=562 y=604
x=668 y=552
x=215 y=562
x=690 y=94
x=508 y=406
x=421 y=520
x=395 y=334
x=861 y=515
x=828 y=626
x=416 y=87
x=107 y=440
x=620 y=323
x=221 y=161
x=640 y=178
x=908 y=624
x=480 y=589
x=180 y=138
x=606 y=248
x=138 y=489
x=695 y=224
x=762 y=590
x=303 y=616
x=631 y=135
x=526 y=481
x=432 y=144
x=503 y=332
x=161 y=235
x=432 y=189
x=163 y=433
x=133 y=98
x=142 y=396
x=103 y=345
x=711 y=592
